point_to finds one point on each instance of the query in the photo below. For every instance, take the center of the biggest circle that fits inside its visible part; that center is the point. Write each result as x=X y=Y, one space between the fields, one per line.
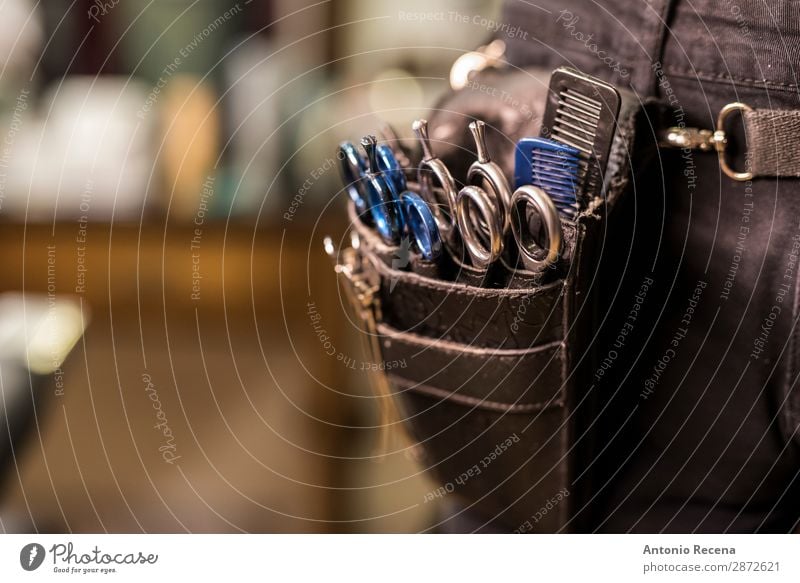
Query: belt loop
x=663 y=11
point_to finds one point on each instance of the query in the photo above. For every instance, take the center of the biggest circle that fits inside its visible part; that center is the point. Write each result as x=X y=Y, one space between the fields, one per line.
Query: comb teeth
x=576 y=121
x=582 y=113
x=552 y=166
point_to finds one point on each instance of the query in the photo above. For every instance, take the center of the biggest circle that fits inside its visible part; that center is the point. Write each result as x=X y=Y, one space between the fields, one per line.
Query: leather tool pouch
x=498 y=384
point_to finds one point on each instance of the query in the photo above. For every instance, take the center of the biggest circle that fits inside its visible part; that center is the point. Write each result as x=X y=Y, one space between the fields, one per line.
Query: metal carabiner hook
x=705 y=140
x=720 y=140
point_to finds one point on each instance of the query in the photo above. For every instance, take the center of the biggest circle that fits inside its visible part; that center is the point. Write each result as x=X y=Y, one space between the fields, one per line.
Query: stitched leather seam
x=449 y=346
x=467 y=401
x=462 y=289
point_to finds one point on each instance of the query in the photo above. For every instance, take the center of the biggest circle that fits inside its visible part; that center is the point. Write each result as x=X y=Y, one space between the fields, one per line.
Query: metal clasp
x=488 y=56
x=721 y=141
x=359 y=284
x=706 y=140
x=362 y=287
x=692 y=138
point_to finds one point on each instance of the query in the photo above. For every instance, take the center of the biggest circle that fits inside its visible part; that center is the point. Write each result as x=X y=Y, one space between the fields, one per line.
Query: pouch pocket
x=469 y=315
x=492 y=424
x=507 y=318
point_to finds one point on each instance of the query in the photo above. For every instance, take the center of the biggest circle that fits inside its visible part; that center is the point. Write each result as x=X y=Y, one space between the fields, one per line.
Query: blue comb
x=552 y=166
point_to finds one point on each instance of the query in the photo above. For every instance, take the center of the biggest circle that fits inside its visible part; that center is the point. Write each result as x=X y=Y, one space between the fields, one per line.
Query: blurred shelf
x=237 y=265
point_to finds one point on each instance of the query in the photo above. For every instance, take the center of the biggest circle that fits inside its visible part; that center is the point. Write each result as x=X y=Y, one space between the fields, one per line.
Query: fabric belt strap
x=771 y=137
x=773 y=142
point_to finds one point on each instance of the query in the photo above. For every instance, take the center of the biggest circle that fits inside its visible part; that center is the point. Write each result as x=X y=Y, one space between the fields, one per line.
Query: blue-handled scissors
x=421 y=225
x=377 y=185
x=380 y=191
x=353 y=169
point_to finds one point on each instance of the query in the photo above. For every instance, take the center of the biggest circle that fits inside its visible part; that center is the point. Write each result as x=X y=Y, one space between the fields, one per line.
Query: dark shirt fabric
x=701 y=440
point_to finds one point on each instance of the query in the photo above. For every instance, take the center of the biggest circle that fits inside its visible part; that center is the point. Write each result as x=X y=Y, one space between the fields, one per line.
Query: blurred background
x=176 y=355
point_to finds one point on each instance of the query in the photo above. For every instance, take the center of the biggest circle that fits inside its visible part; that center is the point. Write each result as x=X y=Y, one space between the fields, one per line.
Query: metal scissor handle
x=382 y=199
x=421 y=225
x=431 y=168
x=482 y=235
x=489 y=176
x=531 y=198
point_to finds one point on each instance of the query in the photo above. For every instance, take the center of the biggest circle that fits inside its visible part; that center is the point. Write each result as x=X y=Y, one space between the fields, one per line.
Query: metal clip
x=361 y=286
x=487 y=56
x=720 y=141
x=706 y=140
x=692 y=138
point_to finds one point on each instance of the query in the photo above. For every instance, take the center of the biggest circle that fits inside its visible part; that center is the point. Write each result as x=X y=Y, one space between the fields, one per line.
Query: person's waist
x=624 y=42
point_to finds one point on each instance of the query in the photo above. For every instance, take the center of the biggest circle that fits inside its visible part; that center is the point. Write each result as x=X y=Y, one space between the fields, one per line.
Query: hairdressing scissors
x=421 y=225
x=482 y=234
x=525 y=211
x=489 y=194
x=489 y=176
x=531 y=210
x=353 y=168
x=380 y=192
x=431 y=171
x=379 y=184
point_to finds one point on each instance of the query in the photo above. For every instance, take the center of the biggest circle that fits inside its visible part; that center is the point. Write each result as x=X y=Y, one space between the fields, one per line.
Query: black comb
x=582 y=112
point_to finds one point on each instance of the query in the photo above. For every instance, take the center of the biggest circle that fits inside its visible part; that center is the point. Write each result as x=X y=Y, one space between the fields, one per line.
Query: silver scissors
x=531 y=210
x=483 y=237
x=525 y=211
x=488 y=175
x=433 y=170
x=483 y=212
x=482 y=234
x=489 y=194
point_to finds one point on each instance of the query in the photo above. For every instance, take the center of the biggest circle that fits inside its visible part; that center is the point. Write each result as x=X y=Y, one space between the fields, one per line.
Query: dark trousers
x=706 y=409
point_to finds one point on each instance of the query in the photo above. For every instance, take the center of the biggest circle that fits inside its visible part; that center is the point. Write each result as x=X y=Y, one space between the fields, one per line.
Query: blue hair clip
x=552 y=166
